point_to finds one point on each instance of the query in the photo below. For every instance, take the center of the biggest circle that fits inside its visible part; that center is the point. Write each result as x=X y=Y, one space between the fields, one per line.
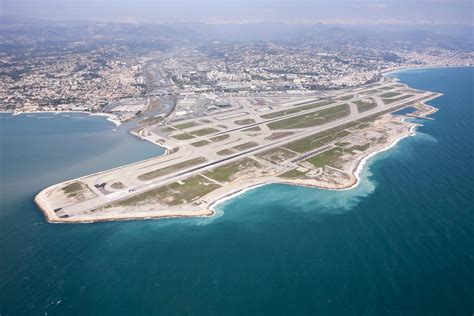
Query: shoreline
x=54 y=219
x=109 y=116
x=363 y=162
x=167 y=148
x=357 y=174
x=214 y=199
x=402 y=69
x=210 y=208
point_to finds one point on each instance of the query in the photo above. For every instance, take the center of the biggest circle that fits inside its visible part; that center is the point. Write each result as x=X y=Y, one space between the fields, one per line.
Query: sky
x=453 y=12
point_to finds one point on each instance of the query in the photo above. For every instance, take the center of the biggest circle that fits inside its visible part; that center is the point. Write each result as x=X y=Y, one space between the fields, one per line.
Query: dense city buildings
x=127 y=70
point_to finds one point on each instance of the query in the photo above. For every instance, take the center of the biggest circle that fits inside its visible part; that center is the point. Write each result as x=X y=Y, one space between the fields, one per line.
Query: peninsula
x=317 y=140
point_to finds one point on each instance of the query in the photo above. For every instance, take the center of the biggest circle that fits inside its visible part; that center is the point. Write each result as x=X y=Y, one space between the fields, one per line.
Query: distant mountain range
x=21 y=31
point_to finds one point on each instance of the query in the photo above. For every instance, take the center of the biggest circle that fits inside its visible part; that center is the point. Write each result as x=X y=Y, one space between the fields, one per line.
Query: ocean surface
x=400 y=243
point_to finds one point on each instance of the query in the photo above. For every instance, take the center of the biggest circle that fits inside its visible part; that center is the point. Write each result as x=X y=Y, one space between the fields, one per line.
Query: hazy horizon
x=404 y=12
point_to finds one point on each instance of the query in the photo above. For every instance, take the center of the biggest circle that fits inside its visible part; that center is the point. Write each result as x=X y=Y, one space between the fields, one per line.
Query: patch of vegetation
x=403 y=97
x=276 y=155
x=205 y=121
x=361 y=126
x=278 y=135
x=252 y=129
x=320 y=139
x=244 y=122
x=118 y=185
x=200 y=143
x=365 y=105
x=204 y=131
x=297 y=109
x=227 y=172
x=186 y=125
x=176 y=193
x=373 y=117
x=225 y=152
x=167 y=130
x=369 y=92
x=361 y=147
x=220 y=138
x=171 y=169
x=184 y=136
x=77 y=190
x=73 y=187
x=390 y=94
x=328 y=157
x=245 y=146
x=313 y=118
x=241 y=147
x=293 y=174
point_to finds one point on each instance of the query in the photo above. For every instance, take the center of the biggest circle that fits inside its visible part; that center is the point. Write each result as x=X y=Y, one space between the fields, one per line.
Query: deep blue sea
x=400 y=243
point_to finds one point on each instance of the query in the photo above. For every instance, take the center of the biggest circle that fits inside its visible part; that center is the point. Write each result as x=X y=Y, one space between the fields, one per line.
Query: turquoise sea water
x=401 y=243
